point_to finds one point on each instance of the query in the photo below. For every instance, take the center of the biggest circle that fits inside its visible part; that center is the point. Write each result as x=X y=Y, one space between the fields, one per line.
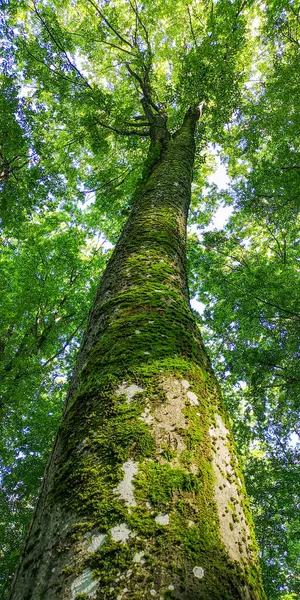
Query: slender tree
x=143 y=495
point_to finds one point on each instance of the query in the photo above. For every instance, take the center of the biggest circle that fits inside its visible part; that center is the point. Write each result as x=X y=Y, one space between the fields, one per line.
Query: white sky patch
x=221 y=217
x=242 y=384
x=256 y=22
x=89 y=199
x=26 y=91
x=219 y=177
x=293 y=440
x=79 y=60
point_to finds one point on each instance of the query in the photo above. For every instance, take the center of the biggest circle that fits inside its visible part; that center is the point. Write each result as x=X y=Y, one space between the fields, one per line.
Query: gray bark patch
x=168 y=418
x=234 y=529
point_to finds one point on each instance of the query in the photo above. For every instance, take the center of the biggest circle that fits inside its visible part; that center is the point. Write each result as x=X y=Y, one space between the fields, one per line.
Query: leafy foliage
x=247 y=275
x=79 y=82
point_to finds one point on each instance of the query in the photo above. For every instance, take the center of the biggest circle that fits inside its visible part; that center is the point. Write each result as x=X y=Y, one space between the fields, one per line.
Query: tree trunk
x=143 y=496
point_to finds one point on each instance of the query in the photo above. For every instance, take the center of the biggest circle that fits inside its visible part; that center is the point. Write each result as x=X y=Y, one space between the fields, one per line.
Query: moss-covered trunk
x=143 y=496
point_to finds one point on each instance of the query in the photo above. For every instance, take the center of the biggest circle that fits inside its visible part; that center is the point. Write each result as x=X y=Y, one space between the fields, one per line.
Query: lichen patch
x=192 y=398
x=85 y=584
x=125 y=488
x=96 y=542
x=162 y=519
x=185 y=384
x=120 y=533
x=146 y=416
x=198 y=572
x=139 y=557
x=128 y=390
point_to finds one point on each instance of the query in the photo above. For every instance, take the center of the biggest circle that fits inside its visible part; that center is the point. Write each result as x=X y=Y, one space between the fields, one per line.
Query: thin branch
x=67 y=342
x=144 y=124
x=136 y=76
x=191 y=25
x=119 y=48
x=107 y=183
x=137 y=14
x=54 y=71
x=279 y=252
x=136 y=29
x=290 y=37
x=145 y=90
x=278 y=307
x=291 y=168
x=60 y=47
x=123 y=131
x=121 y=38
x=243 y=5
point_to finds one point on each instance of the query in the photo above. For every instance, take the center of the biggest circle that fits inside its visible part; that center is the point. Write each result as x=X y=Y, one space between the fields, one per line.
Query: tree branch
x=191 y=25
x=145 y=88
x=53 y=71
x=107 y=183
x=291 y=168
x=118 y=48
x=139 y=20
x=278 y=307
x=123 y=131
x=60 y=47
x=144 y=124
x=121 y=38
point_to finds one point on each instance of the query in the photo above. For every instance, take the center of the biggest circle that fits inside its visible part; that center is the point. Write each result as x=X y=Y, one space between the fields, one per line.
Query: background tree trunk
x=143 y=496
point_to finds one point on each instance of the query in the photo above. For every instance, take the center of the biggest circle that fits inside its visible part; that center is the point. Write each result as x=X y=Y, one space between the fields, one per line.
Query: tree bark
x=143 y=496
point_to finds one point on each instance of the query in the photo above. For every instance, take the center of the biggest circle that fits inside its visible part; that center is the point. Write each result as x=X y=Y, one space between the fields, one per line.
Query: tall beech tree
x=142 y=495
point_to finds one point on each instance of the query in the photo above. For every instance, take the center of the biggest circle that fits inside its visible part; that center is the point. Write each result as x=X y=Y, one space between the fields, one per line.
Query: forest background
x=67 y=174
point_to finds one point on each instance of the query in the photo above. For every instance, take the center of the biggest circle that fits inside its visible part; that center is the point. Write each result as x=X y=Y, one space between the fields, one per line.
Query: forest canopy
x=73 y=145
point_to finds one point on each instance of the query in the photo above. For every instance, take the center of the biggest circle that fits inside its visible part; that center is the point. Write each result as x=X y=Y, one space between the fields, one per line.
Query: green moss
x=109 y=436
x=67 y=570
x=109 y=560
x=157 y=483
